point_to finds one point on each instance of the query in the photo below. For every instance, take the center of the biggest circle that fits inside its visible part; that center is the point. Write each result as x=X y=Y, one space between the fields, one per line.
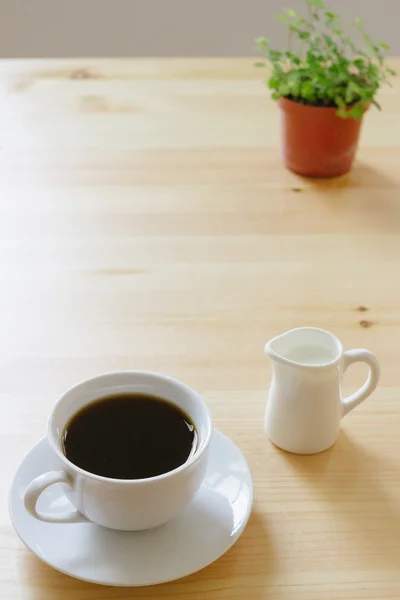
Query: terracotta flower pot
x=315 y=141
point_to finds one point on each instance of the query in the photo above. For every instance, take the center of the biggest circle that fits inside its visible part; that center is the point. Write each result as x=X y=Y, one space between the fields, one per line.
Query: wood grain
x=147 y=222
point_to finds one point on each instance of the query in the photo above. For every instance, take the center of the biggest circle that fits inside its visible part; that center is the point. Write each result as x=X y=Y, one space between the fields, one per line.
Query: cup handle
x=37 y=487
x=353 y=356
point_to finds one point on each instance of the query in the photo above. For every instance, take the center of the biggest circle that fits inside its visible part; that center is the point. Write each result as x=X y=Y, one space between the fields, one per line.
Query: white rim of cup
x=190 y=461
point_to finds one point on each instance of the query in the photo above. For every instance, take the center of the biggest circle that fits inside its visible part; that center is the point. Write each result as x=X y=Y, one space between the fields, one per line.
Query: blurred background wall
x=89 y=28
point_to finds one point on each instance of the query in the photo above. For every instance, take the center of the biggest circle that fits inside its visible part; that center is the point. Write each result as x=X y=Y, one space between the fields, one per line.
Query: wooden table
x=147 y=222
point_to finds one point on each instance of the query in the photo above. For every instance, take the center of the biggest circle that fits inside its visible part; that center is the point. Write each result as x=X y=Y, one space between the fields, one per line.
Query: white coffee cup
x=128 y=505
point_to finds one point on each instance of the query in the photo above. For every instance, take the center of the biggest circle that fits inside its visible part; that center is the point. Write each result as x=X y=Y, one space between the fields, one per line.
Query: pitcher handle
x=353 y=356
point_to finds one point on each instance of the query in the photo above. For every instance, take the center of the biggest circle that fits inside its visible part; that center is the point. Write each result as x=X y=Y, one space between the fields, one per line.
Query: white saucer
x=209 y=527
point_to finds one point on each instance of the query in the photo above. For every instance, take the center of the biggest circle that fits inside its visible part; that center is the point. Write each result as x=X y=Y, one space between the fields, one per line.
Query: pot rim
x=287 y=104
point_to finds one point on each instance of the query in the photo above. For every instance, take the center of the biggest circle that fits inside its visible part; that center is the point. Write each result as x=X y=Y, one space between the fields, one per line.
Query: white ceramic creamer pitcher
x=305 y=404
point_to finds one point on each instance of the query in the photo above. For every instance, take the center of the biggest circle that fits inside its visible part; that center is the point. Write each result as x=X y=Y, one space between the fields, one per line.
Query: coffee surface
x=129 y=436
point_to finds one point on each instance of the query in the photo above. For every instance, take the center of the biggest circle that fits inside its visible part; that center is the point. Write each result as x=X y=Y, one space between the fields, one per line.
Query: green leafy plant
x=322 y=66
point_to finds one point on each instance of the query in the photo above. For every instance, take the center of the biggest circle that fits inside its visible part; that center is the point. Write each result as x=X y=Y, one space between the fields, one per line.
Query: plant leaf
x=375 y=103
x=308 y=91
x=274 y=55
x=316 y=3
x=284 y=89
x=262 y=42
x=356 y=112
x=273 y=82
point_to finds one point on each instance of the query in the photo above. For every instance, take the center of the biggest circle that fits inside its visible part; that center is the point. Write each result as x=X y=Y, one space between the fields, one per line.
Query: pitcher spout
x=272 y=348
x=305 y=347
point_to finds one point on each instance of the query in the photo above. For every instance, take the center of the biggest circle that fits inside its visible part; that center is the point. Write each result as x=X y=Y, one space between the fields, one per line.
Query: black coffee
x=129 y=436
